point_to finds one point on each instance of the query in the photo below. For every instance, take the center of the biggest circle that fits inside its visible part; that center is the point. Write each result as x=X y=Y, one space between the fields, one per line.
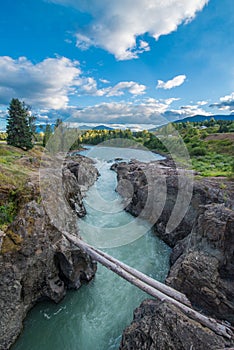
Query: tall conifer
x=18 y=129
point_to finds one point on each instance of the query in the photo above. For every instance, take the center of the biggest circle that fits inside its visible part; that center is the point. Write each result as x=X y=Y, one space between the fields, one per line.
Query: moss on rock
x=11 y=242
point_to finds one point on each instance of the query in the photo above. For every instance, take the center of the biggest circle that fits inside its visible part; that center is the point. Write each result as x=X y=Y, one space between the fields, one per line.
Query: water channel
x=94 y=317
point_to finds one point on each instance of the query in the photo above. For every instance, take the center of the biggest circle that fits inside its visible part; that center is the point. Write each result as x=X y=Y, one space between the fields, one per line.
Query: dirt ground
x=221 y=136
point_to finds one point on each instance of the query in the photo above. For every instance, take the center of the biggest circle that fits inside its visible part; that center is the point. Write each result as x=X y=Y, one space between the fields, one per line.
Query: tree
x=58 y=122
x=32 y=126
x=18 y=129
x=47 y=134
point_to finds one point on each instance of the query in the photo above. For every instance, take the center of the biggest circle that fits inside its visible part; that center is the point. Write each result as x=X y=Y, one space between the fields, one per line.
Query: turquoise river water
x=94 y=317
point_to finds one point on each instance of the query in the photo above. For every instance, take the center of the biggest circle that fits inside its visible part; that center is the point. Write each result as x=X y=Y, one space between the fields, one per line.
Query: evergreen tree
x=47 y=134
x=58 y=122
x=32 y=126
x=18 y=130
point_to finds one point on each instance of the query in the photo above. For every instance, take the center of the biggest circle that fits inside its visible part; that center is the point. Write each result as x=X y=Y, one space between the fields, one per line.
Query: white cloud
x=104 y=81
x=50 y=83
x=83 y=42
x=191 y=110
x=46 y=84
x=117 y=25
x=3 y=113
x=147 y=111
x=202 y=103
x=42 y=118
x=227 y=98
x=131 y=86
x=144 y=46
x=150 y=111
x=176 y=81
x=226 y=103
x=89 y=86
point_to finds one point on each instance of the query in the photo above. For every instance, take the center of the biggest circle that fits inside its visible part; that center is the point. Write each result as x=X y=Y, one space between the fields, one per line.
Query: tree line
x=21 y=131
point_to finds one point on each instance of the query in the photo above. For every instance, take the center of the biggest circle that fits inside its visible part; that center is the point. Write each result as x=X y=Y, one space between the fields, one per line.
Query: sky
x=117 y=61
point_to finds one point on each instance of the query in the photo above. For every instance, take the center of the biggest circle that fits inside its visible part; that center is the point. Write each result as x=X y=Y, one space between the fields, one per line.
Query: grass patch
x=225 y=146
x=213 y=164
x=16 y=167
x=211 y=152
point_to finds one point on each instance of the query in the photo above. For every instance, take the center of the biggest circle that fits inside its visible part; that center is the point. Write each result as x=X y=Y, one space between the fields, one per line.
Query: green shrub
x=7 y=213
x=198 y=151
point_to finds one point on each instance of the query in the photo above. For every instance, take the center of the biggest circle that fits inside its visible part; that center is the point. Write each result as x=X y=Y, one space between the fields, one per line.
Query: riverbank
x=202 y=242
x=80 y=312
x=36 y=261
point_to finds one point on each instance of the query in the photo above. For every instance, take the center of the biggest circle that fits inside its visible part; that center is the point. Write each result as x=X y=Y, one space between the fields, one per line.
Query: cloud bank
x=51 y=82
x=45 y=84
x=226 y=103
x=147 y=111
x=118 y=26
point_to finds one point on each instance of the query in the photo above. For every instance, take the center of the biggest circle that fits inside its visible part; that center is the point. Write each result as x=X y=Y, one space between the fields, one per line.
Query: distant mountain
x=42 y=127
x=102 y=127
x=84 y=127
x=202 y=118
x=158 y=126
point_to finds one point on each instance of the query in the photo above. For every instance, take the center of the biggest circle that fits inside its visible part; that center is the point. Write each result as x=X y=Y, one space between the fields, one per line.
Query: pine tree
x=18 y=129
x=47 y=134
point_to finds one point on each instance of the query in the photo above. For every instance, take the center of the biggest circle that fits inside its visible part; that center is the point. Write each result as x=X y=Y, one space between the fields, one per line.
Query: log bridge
x=152 y=287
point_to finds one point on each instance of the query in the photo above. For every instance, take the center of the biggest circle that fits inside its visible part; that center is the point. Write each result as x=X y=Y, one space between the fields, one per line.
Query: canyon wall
x=36 y=261
x=203 y=248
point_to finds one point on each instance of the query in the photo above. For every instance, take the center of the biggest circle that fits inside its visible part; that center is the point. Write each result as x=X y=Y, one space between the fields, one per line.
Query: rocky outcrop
x=84 y=171
x=36 y=261
x=203 y=263
x=160 y=325
x=202 y=256
x=150 y=191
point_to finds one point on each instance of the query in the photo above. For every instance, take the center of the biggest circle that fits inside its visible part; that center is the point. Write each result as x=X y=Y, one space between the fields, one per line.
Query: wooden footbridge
x=150 y=286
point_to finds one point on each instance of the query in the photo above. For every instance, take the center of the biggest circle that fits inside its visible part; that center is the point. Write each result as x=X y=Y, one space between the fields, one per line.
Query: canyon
x=201 y=259
x=37 y=262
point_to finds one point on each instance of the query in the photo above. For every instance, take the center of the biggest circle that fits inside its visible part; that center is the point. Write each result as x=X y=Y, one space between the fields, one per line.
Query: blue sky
x=119 y=61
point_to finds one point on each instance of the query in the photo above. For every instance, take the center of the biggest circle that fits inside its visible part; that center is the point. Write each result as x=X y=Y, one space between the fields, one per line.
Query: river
x=94 y=317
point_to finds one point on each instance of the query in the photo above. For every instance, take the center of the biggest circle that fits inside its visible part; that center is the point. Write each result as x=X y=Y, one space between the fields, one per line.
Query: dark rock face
x=160 y=325
x=73 y=193
x=36 y=261
x=202 y=260
x=150 y=191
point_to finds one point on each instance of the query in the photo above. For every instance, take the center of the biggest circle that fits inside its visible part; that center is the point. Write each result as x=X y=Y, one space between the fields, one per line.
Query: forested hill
x=201 y=118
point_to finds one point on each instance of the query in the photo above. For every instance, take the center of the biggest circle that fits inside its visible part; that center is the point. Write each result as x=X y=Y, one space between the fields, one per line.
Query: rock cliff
x=203 y=263
x=162 y=326
x=203 y=245
x=36 y=261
